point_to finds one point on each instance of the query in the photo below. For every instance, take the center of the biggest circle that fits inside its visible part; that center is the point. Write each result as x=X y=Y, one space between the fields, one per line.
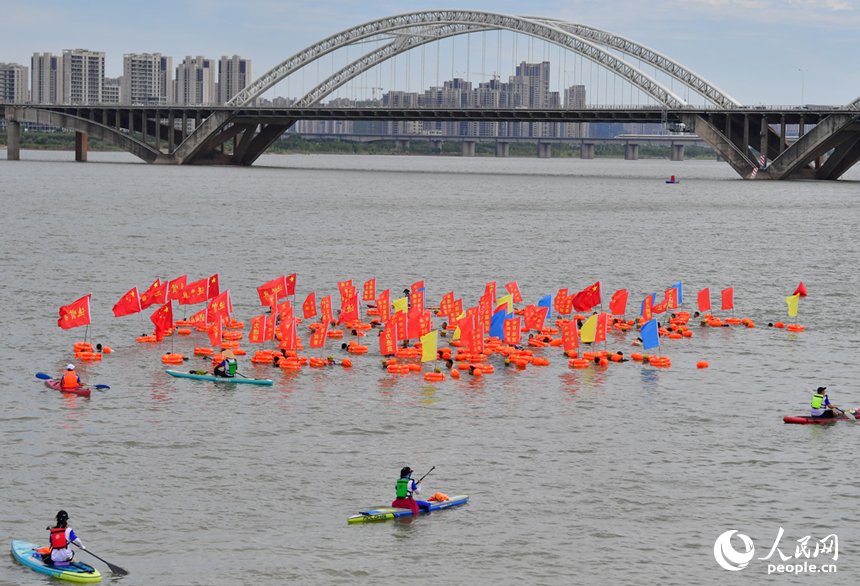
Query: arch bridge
x=200 y=135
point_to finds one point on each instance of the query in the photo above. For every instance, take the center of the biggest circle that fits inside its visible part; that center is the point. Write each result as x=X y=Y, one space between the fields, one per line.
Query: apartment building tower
x=46 y=78
x=83 y=76
x=147 y=79
x=234 y=74
x=195 y=82
x=14 y=83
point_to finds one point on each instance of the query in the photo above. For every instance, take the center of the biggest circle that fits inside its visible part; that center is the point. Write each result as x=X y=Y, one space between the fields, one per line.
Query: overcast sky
x=751 y=49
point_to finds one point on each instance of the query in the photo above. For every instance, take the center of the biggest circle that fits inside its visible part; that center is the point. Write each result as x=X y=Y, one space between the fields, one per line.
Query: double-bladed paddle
x=44 y=376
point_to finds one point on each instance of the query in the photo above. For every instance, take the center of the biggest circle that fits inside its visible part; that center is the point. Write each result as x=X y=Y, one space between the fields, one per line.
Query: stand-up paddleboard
x=27 y=555
x=57 y=386
x=805 y=419
x=388 y=513
x=220 y=379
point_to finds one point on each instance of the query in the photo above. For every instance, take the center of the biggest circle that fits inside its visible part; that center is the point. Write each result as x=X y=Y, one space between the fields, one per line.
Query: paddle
x=115 y=569
x=425 y=476
x=44 y=376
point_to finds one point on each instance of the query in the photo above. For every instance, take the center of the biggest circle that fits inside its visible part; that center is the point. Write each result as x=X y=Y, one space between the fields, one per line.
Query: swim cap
x=405 y=471
x=70 y=367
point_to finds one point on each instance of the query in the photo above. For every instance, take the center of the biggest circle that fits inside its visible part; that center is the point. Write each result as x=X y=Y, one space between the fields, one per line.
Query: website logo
x=728 y=557
x=804 y=559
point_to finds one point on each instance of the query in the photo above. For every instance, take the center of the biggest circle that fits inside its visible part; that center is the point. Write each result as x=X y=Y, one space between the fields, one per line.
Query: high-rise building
x=147 y=79
x=234 y=74
x=112 y=90
x=83 y=76
x=14 y=83
x=46 y=71
x=574 y=97
x=195 y=81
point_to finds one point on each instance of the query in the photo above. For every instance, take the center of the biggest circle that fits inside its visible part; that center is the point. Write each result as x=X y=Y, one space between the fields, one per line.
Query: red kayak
x=55 y=384
x=804 y=420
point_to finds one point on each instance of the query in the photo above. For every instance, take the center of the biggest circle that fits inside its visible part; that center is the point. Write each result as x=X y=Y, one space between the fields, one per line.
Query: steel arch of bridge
x=433 y=24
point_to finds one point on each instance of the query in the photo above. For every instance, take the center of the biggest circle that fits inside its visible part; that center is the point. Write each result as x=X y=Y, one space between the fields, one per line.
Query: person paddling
x=70 y=378
x=62 y=536
x=228 y=367
x=406 y=487
x=820 y=404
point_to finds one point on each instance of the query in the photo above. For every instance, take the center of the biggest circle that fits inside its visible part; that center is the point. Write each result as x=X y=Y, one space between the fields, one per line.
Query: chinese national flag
x=512 y=330
x=176 y=287
x=309 y=307
x=198 y=318
x=157 y=293
x=350 y=310
x=285 y=309
x=490 y=289
x=214 y=332
x=196 y=292
x=514 y=290
x=130 y=303
x=383 y=304
x=704 y=300
x=446 y=304
x=417 y=285
x=399 y=323
x=558 y=302
x=219 y=307
x=618 y=305
x=570 y=335
x=291 y=285
x=258 y=328
x=387 y=342
x=272 y=291
x=325 y=309
x=672 y=298
x=646 y=308
x=213 y=287
x=661 y=307
x=369 y=293
x=587 y=298
x=728 y=298
x=163 y=317
x=600 y=333
x=75 y=314
x=287 y=329
x=318 y=337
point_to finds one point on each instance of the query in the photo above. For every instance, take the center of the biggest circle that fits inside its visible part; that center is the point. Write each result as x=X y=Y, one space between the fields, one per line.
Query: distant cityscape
x=149 y=79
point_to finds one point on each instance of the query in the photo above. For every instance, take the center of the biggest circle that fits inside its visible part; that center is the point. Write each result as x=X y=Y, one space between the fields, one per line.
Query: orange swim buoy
x=107 y=350
x=779 y=324
x=346 y=363
x=702 y=364
x=794 y=328
x=204 y=352
x=172 y=358
x=183 y=332
x=636 y=356
x=579 y=363
x=455 y=373
x=434 y=376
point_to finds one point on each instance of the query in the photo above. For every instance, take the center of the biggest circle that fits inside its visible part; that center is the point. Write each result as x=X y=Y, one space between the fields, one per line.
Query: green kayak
x=220 y=379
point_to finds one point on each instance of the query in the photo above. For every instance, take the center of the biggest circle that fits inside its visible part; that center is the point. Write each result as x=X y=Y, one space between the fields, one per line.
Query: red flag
x=350 y=311
x=457 y=309
x=514 y=290
x=130 y=303
x=318 y=337
x=176 y=287
x=570 y=335
x=213 y=286
x=198 y=319
x=272 y=291
x=661 y=307
x=446 y=304
x=75 y=314
x=558 y=302
x=271 y=320
x=417 y=285
x=672 y=298
x=416 y=321
x=704 y=300
x=490 y=289
x=346 y=294
x=512 y=330
x=801 y=290
x=291 y=285
x=214 y=332
x=475 y=340
x=399 y=322
x=287 y=329
x=485 y=311
x=383 y=304
x=219 y=307
x=369 y=293
x=600 y=332
x=536 y=319
x=196 y=292
x=417 y=299
x=163 y=317
x=157 y=293
x=618 y=305
x=309 y=307
x=325 y=309
x=587 y=298
x=646 y=308
x=728 y=298
x=285 y=309
x=258 y=330
x=341 y=286
x=387 y=342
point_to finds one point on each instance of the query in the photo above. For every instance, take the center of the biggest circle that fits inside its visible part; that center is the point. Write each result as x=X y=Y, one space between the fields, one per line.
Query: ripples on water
x=622 y=476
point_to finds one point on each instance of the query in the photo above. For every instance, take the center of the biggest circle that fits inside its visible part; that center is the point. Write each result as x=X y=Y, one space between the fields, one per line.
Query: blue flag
x=497 y=323
x=680 y=289
x=650 y=336
x=546 y=302
x=653 y=297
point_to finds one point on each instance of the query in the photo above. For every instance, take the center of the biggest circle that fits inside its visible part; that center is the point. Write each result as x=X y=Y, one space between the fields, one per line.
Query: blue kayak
x=27 y=555
x=386 y=513
x=220 y=379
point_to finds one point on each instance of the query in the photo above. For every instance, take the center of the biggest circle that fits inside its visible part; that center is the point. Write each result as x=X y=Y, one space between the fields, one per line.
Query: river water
x=626 y=474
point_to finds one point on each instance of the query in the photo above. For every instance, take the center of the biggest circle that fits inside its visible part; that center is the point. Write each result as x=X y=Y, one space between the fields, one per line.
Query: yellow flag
x=589 y=329
x=506 y=300
x=792 y=305
x=401 y=304
x=457 y=331
x=428 y=346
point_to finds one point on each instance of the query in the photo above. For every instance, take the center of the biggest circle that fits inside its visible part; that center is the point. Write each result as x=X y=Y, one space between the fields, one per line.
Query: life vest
x=58 y=538
x=817 y=401
x=70 y=380
x=403 y=488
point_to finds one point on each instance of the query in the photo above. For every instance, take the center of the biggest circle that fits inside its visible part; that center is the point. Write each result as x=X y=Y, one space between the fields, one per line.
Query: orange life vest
x=58 y=538
x=70 y=380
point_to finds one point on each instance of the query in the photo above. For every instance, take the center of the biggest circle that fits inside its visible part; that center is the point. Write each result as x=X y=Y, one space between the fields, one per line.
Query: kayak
x=27 y=555
x=804 y=419
x=82 y=391
x=220 y=379
x=387 y=513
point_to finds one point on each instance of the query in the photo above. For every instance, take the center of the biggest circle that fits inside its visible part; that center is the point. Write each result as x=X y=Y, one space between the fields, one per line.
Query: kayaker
x=406 y=487
x=820 y=404
x=227 y=368
x=62 y=536
x=70 y=379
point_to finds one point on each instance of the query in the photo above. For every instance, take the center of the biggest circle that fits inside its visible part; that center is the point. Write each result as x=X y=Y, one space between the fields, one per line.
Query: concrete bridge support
x=676 y=152
x=468 y=148
x=502 y=149
x=544 y=150
x=435 y=145
x=586 y=151
x=13 y=141
x=631 y=152
x=402 y=144
x=81 y=147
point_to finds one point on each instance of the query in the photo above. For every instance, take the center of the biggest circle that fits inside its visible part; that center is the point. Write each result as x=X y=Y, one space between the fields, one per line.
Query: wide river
x=620 y=475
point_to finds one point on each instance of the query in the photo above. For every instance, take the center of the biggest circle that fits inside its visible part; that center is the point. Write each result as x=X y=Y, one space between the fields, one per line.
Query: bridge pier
x=13 y=140
x=402 y=144
x=544 y=150
x=586 y=151
x=468 y=148
x=631 y=152
x=676 y=152
x=435 y=145
x=502 y=149
x=81 y=147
